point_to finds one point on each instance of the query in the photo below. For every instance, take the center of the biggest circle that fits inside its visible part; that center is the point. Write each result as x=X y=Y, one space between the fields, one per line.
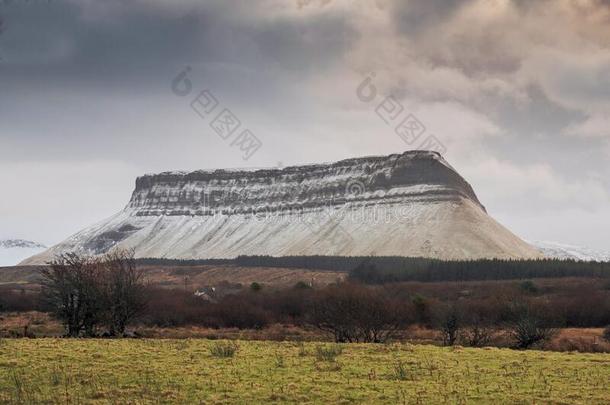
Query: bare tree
x=71 y=287
x=87 y=293
x=125 y=295
x=382 y=318
x=332 y=311
x=353 y=313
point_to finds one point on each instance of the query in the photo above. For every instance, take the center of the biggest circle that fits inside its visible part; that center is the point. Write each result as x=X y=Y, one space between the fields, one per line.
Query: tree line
x=391 y=269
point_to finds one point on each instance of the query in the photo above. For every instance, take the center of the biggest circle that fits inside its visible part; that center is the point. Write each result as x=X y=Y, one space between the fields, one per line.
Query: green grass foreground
x=186 y=371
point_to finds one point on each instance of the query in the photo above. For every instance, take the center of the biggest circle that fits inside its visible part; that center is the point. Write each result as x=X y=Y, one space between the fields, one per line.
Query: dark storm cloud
x=415 y=16
x=537 y=116
x=296 y=45
x=55 y=42
x=65 y=62
x=138 y=41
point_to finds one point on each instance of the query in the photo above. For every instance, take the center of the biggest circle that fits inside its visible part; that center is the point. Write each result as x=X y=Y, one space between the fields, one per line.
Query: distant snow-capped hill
x=13 y=251
x=562 y=251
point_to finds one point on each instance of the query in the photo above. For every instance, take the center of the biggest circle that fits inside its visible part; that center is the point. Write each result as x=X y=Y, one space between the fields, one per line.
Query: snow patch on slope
x=569 y=252
x=13 y=251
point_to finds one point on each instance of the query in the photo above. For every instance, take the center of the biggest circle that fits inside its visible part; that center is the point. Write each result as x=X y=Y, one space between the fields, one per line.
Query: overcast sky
x=517 y=91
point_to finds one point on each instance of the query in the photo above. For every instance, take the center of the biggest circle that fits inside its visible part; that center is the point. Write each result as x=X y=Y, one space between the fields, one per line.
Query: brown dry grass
x=34 y=324
x=277 y=333
x=196 y=276
x=588 y=340
x=211 y=275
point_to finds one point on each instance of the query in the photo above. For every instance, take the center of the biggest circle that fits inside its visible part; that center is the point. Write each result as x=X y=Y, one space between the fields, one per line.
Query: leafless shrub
x=528 y=330
x=71 y=285
x=606 y=334
x=478 y=335
x=86 y=293
x=353 y=313
x=450 y=325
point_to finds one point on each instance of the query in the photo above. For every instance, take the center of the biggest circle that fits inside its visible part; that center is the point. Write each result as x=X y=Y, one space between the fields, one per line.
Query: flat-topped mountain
x=410 y=204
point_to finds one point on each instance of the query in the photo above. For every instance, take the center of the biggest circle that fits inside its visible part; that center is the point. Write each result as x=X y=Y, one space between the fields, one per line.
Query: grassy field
x=195 y=371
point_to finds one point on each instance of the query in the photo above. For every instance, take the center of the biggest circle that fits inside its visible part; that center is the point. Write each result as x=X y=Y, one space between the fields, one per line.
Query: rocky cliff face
x=417 y=175
x=412 y=204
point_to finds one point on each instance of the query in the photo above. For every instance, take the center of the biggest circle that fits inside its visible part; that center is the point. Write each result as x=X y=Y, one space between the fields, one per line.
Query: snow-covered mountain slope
x=410 y=204
x=13 y=251
x=562 y=251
